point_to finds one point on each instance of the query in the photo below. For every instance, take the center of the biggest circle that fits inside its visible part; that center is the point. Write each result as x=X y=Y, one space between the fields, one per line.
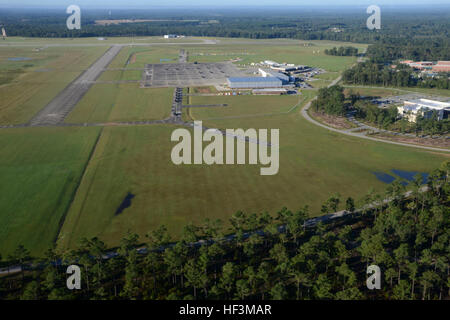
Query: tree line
x=342 y=51
x=269 y=256
x=418 y=50
x=400 y=27
x=370 y=73
x=331 y=101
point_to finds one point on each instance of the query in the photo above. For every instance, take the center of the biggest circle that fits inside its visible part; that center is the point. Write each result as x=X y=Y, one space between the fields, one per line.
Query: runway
x=58 y=109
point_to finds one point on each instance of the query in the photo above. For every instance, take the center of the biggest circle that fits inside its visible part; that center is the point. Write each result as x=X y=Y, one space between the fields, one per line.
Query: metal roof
x=270 y=90
x=253 y=79
x=429 y=103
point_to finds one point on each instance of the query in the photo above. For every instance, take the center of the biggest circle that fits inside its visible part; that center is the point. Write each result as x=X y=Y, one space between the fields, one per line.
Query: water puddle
x=409 y=175
x=126 y=203
x=384 y=177
x=400 y=174
x=19 y=59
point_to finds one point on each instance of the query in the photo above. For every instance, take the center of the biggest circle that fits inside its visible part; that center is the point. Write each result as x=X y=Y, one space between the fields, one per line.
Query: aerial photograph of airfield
x=86 y=124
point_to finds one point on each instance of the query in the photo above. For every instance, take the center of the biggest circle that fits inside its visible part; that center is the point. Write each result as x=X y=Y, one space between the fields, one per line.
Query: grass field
x=327 y=76
x=40 y=170
x=298 y=54
x=383 y=92
x=244 y=105
x=120 y=75
x=314 y=163
x=138 y=57
x=319 y=83
x=122 y=102
x=42 y=78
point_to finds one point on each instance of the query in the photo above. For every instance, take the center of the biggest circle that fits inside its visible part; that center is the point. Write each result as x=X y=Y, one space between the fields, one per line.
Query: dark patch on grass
x=126 y=203
x=384 y=177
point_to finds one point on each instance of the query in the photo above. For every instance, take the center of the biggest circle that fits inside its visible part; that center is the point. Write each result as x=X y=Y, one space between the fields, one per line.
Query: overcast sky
x=106 y=4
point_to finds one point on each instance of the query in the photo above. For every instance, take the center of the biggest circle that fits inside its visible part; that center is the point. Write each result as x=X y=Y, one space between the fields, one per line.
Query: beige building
x=424 y=107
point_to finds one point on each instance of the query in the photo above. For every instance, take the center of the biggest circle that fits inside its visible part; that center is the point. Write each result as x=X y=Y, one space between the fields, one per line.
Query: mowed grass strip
x=314 y=163
x=243 y=105
x=302 y=54
x=121 y=75
x=138 y=57
x=122 y=102
x=55 y=69
x=40 y=170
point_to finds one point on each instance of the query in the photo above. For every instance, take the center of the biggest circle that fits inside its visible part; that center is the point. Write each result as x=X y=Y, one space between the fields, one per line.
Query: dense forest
x=331 y=101
x=429 y=49
x=341 y=24
x=280 y=256
x=371 y=73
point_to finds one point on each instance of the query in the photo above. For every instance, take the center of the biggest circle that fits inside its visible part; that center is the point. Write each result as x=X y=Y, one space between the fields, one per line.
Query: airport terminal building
x=254 y=82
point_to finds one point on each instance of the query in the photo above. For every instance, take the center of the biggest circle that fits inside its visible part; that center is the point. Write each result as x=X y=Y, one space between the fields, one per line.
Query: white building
x=270 y=73
x=254 y=82
x=271 y=63
x=424 y=107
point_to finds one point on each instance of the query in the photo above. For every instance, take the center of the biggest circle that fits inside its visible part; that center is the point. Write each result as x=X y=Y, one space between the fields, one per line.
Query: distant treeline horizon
x=407 y=35
x=312 y=24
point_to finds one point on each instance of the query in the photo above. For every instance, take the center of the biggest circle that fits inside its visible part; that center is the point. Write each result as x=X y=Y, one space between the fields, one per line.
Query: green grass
x=327 y=76
x=41 y=167
x=40 y=170
x=122 y=102
x=53 y=69
x=286 y=52
x=120 y=75
x=398 y=91
x=241 y=105
x=314 y=163
x=138 y=57
x=319 y=83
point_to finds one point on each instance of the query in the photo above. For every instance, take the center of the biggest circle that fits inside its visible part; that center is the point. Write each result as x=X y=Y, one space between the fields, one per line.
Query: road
x=308 y=224
x=58 y=109
x=305 y=114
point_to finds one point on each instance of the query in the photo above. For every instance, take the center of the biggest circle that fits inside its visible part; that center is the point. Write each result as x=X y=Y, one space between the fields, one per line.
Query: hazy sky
x=152 y=3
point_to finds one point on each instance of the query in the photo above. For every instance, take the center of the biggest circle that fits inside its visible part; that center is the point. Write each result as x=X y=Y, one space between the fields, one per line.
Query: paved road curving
x=305 y=114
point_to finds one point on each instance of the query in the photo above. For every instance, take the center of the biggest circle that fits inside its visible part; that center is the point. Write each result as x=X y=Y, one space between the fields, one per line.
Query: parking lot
x=188 y=74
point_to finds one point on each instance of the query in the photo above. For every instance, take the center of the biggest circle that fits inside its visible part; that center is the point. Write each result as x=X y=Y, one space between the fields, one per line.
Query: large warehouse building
x=254 y=82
